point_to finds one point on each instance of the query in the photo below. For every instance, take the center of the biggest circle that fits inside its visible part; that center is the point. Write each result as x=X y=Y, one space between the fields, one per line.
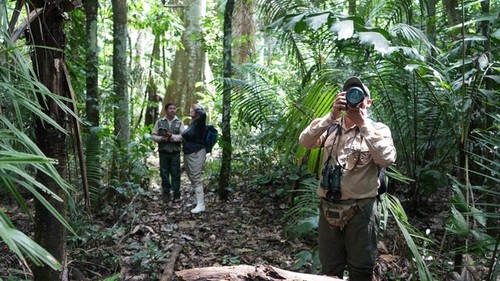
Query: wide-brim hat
x=355 y=82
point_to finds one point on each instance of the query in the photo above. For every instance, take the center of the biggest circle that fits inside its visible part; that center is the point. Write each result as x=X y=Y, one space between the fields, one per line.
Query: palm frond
x=409 y=234
x=302 y=217
x=94 y=166
x=22 y=245
x=20 y=98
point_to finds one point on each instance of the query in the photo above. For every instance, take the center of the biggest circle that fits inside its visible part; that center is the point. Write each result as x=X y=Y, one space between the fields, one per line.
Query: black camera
x=331 y=181
x=162 y=131
x=354 y=96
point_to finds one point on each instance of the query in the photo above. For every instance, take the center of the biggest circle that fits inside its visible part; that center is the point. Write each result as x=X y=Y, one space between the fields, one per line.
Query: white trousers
x=194 y=164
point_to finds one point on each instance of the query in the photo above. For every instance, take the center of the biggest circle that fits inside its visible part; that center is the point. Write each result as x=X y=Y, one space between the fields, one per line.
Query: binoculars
x=331 y=181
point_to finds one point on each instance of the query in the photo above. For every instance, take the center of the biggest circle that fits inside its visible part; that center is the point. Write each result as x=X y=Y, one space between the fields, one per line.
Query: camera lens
x=354 y=96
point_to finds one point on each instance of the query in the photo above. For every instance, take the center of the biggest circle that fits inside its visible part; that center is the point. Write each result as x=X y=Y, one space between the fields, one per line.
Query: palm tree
x=26 y=100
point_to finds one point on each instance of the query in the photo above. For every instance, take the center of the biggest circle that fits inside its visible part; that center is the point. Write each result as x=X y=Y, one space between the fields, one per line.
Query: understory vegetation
x=434 y=80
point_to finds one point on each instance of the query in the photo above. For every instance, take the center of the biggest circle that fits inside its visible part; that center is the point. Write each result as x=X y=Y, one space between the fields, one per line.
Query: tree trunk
x=243 y=31
x=47 y=31
x=189 y=62
x=352 y=7
x=120 y=82
x=452 y=12
x=151 y=89
x=247 y=272
x=225 y=171
x=92 y=71
x=93 y=147
x=431 y=20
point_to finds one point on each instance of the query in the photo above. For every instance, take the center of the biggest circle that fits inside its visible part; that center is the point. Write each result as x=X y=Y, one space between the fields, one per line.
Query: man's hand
x=339 y=105
x=357 y=115
x=166 y=137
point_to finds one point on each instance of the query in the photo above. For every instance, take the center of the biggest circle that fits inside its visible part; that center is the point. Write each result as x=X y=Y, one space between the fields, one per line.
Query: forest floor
x=134 y=240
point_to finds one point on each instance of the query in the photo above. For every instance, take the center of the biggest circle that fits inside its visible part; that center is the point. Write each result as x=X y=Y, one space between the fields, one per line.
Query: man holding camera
x=356 y=148
x=167 y=133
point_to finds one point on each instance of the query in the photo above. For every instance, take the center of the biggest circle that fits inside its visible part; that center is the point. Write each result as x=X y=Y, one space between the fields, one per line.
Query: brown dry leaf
x=389 y=258
x=136 y=228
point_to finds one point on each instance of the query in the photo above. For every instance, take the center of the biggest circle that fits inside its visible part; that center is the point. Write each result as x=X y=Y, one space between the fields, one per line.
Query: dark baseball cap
x=355 y=82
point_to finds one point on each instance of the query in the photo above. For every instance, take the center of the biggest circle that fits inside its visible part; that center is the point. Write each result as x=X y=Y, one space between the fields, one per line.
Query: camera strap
x=338 y=126
x=331 y=128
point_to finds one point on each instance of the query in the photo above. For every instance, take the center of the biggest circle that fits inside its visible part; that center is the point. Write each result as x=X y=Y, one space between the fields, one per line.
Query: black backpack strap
x=383 y=184
x=330 y=129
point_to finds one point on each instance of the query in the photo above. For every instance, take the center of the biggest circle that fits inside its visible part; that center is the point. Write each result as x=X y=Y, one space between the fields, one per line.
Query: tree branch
x=247 y=272
x=168 y=271
x=31 y=17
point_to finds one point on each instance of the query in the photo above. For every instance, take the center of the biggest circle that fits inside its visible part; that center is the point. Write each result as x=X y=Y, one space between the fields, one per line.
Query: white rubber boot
x=200 y=200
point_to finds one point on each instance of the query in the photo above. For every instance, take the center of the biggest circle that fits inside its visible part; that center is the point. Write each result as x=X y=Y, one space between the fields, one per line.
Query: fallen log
x=245 y=273
x=168 y=270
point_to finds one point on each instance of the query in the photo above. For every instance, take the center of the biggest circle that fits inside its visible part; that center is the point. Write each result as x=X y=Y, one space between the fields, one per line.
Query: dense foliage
x=433 y=73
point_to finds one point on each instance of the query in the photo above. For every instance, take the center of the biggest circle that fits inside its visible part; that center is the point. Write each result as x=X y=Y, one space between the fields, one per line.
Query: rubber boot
x=200 y=200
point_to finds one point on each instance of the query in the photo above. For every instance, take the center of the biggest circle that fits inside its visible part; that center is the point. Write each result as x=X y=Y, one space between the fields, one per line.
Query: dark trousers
x=170 y=172
x=353 y=248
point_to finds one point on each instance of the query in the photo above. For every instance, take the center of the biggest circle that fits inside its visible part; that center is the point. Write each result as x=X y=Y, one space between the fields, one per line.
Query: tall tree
x=452 y=12
x=190 y=61
x=120 y=78
x=431 y=20
x=225 y=171
x=152 y=89
x=243 y=31
x=92 y=99
x=352 y=7
x=49 y=41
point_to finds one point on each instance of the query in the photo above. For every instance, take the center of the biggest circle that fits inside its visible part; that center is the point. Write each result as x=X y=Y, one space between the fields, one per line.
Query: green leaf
x=302 y=259
x=308 y=224
x=344 y=29
x=496 y=34
x=479 y=216
x=292 y=22
x=15 y=157
x=379 y=42
x=458 y=224
x=409 y=233
x=316 y=21
x=22 y=245
x=114 y=277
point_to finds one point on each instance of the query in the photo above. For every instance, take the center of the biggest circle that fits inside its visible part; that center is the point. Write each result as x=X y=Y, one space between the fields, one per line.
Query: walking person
x=354 y=151
x=167 y=133
x=195 y=154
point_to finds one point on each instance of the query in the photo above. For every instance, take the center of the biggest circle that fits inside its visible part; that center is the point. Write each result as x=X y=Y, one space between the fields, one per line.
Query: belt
x=360 y=202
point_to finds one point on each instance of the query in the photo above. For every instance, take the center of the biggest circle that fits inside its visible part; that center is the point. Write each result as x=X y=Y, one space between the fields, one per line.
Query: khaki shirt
x=361 y=151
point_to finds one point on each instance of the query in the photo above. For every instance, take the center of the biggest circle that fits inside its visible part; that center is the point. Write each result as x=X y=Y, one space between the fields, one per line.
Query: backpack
x=210 y=137
x=381 y=170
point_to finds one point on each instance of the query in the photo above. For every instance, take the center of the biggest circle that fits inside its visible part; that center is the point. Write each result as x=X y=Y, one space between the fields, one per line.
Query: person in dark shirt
x=195 y=154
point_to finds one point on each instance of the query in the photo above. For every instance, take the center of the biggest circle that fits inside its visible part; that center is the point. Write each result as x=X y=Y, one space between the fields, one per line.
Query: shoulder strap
x=330 y=129
x=383 y=184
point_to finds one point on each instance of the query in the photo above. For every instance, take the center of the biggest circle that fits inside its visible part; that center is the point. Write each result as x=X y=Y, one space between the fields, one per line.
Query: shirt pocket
x=358 y=159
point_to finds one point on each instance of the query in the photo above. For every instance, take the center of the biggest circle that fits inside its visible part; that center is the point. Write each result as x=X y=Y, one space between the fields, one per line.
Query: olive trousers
x=353 y=248
x=170 y=172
